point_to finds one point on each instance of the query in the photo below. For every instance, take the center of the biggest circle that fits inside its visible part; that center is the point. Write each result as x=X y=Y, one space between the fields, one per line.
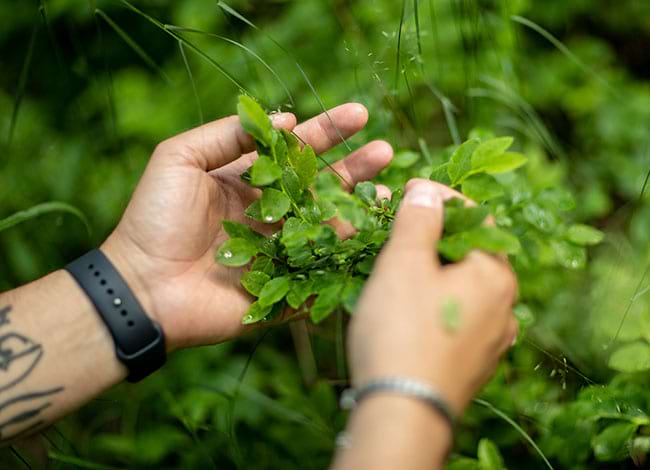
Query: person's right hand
x=399 y=328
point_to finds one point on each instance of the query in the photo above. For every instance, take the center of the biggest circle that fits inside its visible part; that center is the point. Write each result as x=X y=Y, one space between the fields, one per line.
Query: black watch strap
x=139 y=341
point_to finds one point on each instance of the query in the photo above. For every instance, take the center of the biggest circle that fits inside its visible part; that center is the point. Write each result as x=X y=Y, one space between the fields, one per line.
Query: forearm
x=55 y=354
x=388 y=432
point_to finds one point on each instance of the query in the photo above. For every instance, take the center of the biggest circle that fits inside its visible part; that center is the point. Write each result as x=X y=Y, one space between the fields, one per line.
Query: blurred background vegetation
x=87 y=89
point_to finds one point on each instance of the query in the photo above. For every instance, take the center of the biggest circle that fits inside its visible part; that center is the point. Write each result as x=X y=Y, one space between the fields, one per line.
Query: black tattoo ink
x=19 y=356
x=4 y=315
x=29 y=396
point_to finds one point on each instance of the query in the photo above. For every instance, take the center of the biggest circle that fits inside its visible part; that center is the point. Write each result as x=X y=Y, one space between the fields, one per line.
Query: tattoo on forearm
x=20 y=414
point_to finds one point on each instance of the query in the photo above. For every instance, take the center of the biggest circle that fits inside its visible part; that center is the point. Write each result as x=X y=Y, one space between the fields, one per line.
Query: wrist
x=128 y=264
x=388 y=430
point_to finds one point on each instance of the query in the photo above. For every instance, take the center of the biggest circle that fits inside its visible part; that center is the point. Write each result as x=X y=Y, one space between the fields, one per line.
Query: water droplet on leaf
x=227 y=254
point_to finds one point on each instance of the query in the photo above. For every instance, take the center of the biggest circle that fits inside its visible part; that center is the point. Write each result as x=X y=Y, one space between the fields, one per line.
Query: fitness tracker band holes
x=139 y=341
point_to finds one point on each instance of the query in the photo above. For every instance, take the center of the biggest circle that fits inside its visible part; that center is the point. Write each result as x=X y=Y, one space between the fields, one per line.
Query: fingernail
x=279 y=117
x=423 y=195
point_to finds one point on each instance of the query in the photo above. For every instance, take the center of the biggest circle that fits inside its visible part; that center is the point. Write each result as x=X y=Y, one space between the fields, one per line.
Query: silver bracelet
x=401 y=386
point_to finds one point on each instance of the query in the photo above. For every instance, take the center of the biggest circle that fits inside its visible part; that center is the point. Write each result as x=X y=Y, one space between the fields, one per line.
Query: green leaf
x=405 y=159
x=291 y=185
x=631 y=357
x=263 y=264
x=254 y=211
x=274 y=205
x=460 y=163
x=265 y=171
x=351 y=293
x=293 y=232
x=584 y=235
x=367 y=192
x=238 y=230
x=541 y=218
x=274 y=290
x=504 y=163
x=256 y=313
x=489 y=457
x=611 y=445
x=254 y=120
x=253 y=281
x=491 y=157
x=493 y=240
x=441 y=174
x=326 y=302
x=464 y=218
x=569 y=255
x=305 y=164
x=482 y=188
x=454 y=247
x=299 y=293
x=236 y=252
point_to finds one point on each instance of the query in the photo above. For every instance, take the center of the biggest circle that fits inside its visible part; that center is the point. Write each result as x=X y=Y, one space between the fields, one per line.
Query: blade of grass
x=516 y=426
x=133 y=45
x=187 y=43
x=559 y=45
x=22 y=83
x=241 y=46
x=20 y=457
x=40 y=209
x=416 y=14
x=399 y=46
x=192 y=82
x=240 y=17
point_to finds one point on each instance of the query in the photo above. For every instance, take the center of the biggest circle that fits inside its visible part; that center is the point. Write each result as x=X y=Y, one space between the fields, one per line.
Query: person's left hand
x=165 y=243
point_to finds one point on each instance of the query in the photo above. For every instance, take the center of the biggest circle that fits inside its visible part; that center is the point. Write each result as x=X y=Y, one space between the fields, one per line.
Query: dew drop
x=227 y=254
x=248 y=317
x=268 y=218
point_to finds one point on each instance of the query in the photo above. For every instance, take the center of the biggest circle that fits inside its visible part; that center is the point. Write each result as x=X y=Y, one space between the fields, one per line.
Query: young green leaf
x=489 y=457
x=491 y=157
x=263 y=264
x=305 y=164
x=631 y=357
x=326 y=302
x=351 y=292
x=299 y=292
x=236 y=252
x=493 y=240
x=460 y=163
x=274 y=290
x=256 y=313
x=481 y=188
x=274 y=205
x=441 y=174
x=366 y=192
x=265 y=171
x=253 y=281
x=584 y=235
x=238 y=230
x=460 y=219
x=291 y=185
x=612 y=444
x=254 y=120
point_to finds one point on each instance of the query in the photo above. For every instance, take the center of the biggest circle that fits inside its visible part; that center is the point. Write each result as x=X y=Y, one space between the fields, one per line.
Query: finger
x=328 y=129
x=383 y=192
x=364 y=163
x=418 y=225
x=216 y=143
x=493 y=270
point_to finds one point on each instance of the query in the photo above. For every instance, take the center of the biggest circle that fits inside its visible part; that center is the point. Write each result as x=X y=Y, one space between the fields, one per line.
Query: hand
x=400 y=329
x=165 y=243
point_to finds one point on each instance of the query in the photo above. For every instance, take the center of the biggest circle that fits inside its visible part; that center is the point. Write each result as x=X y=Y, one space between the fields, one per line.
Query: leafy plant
x=305 y=260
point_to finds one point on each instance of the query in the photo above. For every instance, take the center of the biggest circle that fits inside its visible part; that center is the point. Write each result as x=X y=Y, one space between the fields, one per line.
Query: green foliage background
x=81 y=109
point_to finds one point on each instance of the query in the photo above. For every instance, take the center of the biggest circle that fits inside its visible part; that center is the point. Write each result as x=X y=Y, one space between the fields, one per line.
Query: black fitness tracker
x=139 y=341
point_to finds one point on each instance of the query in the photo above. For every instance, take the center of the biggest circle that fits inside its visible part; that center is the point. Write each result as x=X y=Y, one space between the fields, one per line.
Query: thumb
x=418 y=224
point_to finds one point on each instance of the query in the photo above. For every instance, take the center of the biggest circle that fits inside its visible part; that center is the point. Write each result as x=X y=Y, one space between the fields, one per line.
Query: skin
x=164 y=248
x=399 y=330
